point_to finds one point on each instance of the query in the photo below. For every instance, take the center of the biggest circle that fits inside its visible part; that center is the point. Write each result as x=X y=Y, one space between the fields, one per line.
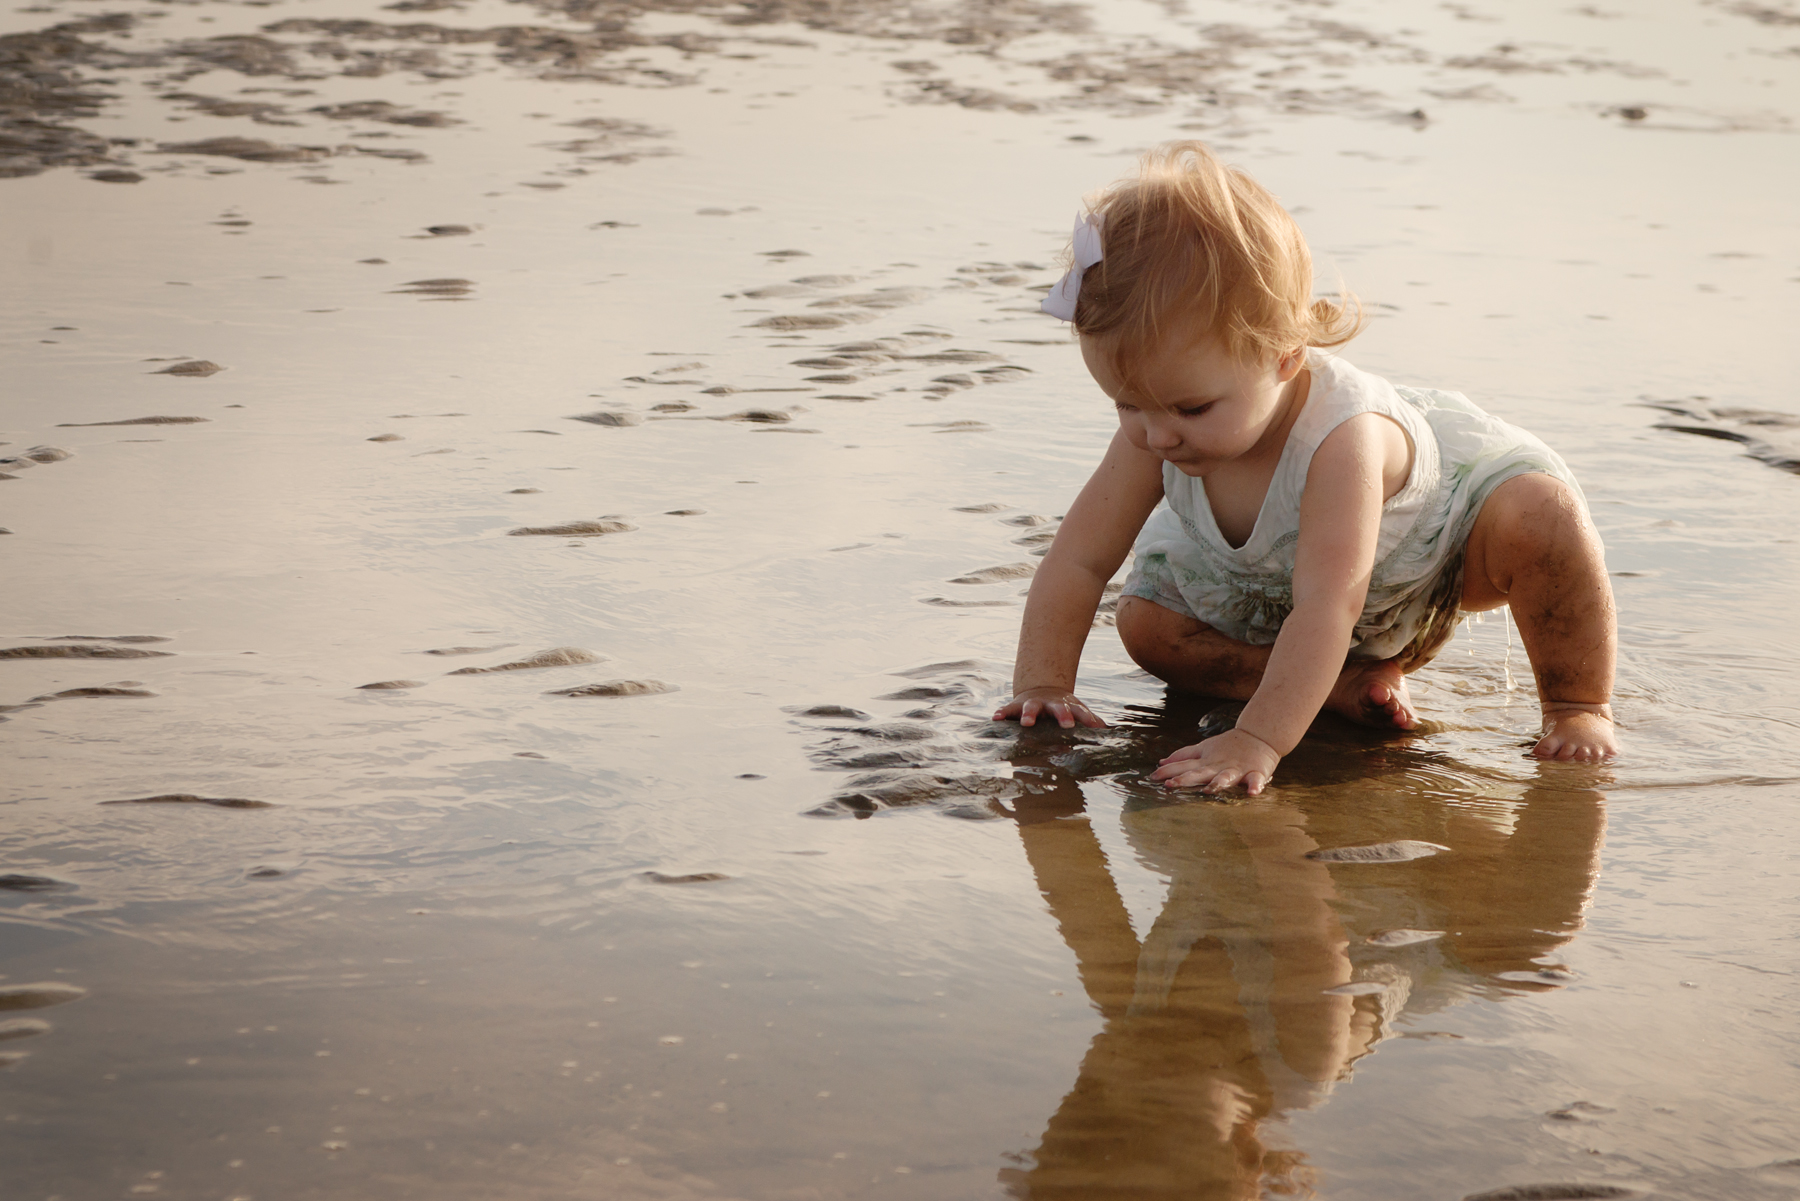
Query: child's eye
x=1195 y=410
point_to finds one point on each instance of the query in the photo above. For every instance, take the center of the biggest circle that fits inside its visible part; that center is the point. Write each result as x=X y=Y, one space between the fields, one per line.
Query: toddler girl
x=1323 y=527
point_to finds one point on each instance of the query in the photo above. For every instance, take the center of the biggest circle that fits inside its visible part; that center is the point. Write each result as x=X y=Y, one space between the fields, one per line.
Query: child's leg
x=1192 y=656
x=1534 y=549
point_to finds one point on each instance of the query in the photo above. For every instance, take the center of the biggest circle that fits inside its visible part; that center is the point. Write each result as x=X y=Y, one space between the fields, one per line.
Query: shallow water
x=774 y=911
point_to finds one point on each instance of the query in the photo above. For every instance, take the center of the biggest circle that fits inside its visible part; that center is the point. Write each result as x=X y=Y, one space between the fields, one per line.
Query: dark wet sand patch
x=391 y=685
x=435 y=289
x=192 y=369
x=467 y=650
x=37 y=454
x=385 y=112
x=997 y=574
x=387 y=438
x=617 y=688
x=838 y=711
x=23 y=1028
x=561 y=656
x=188 y=798
x=524 y=491
x=134 y=421
x=1398 y=851
x=19 y=882
x=574 y=529
x=931 y=670
x=254 y=150
x=79 y=652
x=41 y=995
x=108 y=638
x=1579 y=1111
x=689 y=878
x=106 y=690
x=757 y=416
x=971 y=797
x=1769 y=436
x=929 y=692
x=612 y=417
x=684 y=513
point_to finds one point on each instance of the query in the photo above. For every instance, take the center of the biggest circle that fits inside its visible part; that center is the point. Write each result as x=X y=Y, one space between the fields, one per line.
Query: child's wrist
x=1273 y=749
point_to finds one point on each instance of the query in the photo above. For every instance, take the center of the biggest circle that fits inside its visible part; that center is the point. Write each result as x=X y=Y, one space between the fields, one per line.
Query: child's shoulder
x=1350 y=389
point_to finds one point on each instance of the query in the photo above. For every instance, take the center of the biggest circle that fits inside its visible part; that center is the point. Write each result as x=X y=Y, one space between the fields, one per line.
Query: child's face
x=1196 y=406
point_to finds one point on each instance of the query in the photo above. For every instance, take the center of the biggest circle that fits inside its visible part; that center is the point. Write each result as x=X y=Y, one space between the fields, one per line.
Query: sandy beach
x=517 y=516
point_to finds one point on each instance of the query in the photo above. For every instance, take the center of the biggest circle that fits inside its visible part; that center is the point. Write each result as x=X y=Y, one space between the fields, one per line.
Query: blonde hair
x=1190 y=239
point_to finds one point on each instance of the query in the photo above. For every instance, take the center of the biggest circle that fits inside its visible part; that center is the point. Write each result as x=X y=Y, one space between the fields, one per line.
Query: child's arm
x=1092 y=541
x=1340 y=521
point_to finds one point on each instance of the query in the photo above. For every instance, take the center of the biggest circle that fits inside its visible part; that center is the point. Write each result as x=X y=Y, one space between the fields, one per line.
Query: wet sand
x=560 y=481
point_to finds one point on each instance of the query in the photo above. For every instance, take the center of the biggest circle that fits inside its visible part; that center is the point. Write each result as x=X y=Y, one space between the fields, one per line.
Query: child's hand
x=1065 y=707
x=1234 y=757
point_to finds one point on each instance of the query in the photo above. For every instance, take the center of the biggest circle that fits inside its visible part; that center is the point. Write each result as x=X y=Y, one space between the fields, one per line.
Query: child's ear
x=1288 y=366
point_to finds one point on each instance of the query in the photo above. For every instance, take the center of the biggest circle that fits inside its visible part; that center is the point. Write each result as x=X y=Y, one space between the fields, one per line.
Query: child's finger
x=1225 y=779
x=1201 y=778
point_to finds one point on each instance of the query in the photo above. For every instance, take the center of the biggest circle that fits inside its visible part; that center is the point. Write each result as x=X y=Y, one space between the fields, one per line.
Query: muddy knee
x=1153 y=636
x=1532 y=525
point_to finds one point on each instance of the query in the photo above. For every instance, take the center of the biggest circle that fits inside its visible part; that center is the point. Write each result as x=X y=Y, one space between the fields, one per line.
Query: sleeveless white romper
x=1460 y=455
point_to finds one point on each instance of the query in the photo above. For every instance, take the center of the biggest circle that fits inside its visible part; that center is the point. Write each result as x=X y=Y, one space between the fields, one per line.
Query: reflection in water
x=1267 y=974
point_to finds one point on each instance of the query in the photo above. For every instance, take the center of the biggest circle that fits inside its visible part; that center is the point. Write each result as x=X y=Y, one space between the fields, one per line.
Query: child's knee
x=1530 y=524
x=1152 y=634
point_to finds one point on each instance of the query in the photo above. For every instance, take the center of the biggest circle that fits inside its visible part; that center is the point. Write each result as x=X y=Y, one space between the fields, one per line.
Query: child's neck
x=1235 y=491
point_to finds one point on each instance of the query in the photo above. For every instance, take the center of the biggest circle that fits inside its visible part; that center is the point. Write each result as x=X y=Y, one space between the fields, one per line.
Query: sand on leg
x=1534 y=549
x=1188 y=654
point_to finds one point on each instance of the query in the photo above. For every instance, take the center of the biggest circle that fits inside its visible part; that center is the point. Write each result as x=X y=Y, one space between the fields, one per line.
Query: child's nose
x=1160 y=432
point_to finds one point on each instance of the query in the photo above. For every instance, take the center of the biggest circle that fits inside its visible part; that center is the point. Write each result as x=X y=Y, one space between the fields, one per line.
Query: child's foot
x=1578 y=735
x=1373 y=692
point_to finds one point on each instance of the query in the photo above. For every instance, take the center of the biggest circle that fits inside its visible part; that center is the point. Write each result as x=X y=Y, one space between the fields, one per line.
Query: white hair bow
x=1061 y=301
